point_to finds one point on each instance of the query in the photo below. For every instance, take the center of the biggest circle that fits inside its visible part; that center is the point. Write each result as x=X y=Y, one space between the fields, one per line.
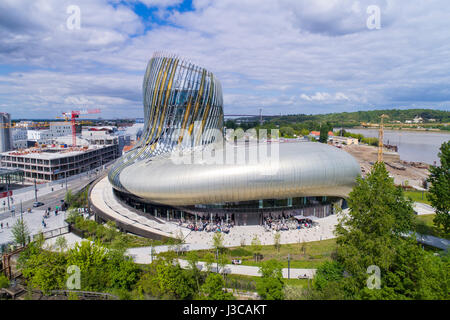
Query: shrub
x=240 y=252
x=4 y=282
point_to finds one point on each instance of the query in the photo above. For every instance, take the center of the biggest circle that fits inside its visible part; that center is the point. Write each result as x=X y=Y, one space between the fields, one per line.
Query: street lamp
x=217 y=259
x=35 y=191
x=289 y=266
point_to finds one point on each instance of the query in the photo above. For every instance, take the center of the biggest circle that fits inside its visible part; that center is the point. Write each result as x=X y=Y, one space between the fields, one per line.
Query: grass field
x=416 y=196
x=306 y=255
x=425 y=225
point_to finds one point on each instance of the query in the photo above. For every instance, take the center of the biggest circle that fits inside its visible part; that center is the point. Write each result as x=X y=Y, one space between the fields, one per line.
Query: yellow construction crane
x=380 y=139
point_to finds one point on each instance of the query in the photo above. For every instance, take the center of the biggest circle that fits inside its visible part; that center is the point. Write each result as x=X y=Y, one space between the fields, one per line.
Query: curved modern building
x=184 y=165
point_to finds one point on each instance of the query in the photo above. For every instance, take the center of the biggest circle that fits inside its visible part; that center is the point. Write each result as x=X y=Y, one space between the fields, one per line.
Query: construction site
x=54 y=162
x=58 y=154
x=404 y=173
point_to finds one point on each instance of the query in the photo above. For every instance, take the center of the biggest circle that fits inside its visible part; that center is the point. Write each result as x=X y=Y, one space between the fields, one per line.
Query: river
x=412 y=145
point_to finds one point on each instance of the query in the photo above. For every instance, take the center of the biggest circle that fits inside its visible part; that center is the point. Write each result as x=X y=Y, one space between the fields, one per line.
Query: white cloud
x=285 y=56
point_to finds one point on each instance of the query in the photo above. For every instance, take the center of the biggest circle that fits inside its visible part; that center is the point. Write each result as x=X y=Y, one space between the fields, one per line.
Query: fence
x=240 y=284
x=52 y=233
x=86 y=294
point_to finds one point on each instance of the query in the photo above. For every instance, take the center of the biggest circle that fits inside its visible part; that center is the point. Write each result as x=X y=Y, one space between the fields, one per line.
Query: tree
x=328 y=271
x=222 y=262
x=209 y=260
x=255 y=247
x=43 y=269
x=439 y=195
x=173 y=281
x=61 y=243
x=69 y=197
x=324 y=129
x=213 y=288
x=123 y=272
x=375 y=233
x=304 y=132
x=92 y=260
x=287 y=132
x=218 y=241
x=20 y=232
x=271 y=286
x=4 y=282
x=192 y=259
x=276 y=241
x=180 y=240
x=379 y=214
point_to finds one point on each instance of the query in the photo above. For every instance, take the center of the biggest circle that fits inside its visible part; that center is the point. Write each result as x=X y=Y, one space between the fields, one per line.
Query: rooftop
x=50 y=152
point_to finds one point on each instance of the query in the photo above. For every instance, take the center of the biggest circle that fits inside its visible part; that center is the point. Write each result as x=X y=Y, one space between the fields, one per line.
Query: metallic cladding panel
x=176 y=95
x=305 y=169
x=171 y=87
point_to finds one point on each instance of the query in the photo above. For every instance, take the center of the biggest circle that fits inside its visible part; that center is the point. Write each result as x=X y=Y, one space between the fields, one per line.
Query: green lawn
x=425 y=225
x=416 y=196
x=307 y=255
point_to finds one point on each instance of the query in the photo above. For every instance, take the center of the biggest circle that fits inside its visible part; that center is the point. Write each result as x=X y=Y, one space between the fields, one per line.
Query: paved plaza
x=33 y=221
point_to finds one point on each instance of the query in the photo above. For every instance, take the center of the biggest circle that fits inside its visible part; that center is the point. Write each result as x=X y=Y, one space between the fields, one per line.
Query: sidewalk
x=142 y=256
x=423 y=208
x=33 y=221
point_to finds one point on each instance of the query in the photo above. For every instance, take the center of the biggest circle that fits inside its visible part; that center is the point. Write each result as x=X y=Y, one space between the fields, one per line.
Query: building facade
x=169 y=172
x=49 y=164
x=5 y=132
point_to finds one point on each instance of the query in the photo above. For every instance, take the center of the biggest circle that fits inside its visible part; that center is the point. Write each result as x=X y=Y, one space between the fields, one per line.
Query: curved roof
x=301 y=169
x=181 y=101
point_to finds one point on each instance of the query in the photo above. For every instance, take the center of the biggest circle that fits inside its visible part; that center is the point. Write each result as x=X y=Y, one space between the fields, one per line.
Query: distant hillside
x=368 y=116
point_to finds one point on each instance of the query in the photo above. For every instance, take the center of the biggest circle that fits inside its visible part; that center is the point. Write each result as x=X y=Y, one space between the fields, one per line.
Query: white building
x=19 y=133
x=19 y=137
x=59 y=129
x=40 y=136
x=343 y=140
x=56 y=130
x=417 y=119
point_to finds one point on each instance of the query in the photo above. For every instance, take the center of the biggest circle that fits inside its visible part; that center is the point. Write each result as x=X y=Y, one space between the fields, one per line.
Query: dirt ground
x=403 y=172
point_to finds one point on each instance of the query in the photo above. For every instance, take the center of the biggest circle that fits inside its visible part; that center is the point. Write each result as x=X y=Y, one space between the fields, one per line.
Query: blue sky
x=284 y=56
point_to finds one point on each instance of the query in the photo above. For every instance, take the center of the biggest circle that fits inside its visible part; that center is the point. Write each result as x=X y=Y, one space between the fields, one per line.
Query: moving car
x=38 y=204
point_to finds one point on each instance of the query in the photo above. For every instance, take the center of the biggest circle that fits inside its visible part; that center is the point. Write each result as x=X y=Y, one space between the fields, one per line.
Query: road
x=52 y=198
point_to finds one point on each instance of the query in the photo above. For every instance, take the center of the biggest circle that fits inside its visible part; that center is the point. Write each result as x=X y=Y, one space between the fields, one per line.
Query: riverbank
x=421 y=129
x=404 y=173
x=412 y=146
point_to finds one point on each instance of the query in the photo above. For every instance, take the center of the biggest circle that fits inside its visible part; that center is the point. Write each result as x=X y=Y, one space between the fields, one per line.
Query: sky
x=283 y=56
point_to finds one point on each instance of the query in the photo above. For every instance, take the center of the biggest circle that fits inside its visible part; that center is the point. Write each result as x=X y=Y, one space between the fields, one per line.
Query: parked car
x=38 y=204
x=236 y=261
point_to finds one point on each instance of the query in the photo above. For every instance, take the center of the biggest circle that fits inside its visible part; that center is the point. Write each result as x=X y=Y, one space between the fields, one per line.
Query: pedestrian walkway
x=423 y=208
x=33 y=221
x=143 y=256
x=103 y=199
x=432 y=241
